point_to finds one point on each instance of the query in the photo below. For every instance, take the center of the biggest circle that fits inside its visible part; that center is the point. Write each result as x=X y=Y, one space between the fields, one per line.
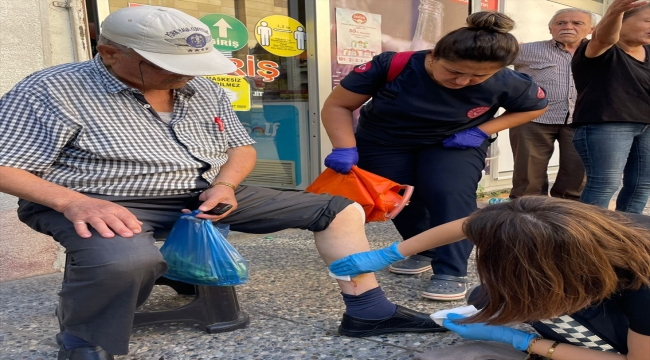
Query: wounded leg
x=368 y=311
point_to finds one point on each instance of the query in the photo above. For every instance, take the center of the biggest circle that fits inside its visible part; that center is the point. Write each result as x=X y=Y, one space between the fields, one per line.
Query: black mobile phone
x=220 y=209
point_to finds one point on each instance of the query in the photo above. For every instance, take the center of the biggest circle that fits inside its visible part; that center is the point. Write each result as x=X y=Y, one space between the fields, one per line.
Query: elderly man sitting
x=107 y=152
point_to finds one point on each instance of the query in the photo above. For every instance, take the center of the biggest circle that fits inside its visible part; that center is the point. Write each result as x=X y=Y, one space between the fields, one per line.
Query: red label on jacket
x=540 y=93
x=363 y=67
x=476 y=112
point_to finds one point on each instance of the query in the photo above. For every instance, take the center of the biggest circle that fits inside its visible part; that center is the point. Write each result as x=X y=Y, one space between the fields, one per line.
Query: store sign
x=229 y=34
x=266 y=69
x=237 y=89
x=264 y=131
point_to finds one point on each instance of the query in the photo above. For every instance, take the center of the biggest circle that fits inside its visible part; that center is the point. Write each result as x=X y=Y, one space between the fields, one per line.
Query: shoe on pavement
x=414 y=264
x=404 y=320
x=84 y=353
x=446 y=288
x=477 y=296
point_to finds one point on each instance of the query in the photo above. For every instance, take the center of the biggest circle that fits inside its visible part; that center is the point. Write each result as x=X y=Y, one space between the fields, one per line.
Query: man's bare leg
x=344 y=236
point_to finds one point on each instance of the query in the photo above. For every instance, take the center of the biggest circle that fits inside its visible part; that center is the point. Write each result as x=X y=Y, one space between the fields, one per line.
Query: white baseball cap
x=169 y=38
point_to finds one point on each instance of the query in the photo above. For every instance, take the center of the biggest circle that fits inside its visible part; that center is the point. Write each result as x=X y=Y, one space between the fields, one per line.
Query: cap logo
x=197 y=40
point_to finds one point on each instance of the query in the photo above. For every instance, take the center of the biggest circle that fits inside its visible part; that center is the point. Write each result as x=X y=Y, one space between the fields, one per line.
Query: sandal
x=446 y=288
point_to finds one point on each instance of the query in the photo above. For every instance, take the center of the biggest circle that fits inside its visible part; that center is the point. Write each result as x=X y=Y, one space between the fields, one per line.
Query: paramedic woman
x=430 y=127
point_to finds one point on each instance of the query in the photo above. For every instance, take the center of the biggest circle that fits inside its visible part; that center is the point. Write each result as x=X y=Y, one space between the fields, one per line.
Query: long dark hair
x=486 y=38
x=542 y=257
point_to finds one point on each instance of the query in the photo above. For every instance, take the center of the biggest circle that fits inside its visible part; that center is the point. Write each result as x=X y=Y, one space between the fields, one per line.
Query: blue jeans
x=612 y=151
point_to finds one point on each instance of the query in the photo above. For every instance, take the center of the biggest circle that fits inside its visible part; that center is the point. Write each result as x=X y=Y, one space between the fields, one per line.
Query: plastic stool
x=214 y=307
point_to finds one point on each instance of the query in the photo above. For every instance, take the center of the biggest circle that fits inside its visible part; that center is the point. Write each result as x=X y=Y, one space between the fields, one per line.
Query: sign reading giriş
x=229 y=34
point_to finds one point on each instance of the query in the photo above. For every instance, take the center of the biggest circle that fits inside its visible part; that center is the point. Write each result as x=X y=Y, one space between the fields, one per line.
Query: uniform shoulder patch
x=363 y=67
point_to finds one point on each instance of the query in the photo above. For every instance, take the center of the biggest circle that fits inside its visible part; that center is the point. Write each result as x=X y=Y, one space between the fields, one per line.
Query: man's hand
x=214 y=195
x=621 y=6
x=104 y=216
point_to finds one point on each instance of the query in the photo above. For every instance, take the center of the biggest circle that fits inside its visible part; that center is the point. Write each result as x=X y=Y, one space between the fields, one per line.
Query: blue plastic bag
x=196 y=252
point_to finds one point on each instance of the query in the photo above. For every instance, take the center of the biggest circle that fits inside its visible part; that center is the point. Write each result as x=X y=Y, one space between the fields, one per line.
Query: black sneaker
x=414 y=264
x=404 y=320
x=476 y=296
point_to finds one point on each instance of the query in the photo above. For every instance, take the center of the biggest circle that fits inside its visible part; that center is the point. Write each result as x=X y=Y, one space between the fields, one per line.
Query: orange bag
x=378 y=196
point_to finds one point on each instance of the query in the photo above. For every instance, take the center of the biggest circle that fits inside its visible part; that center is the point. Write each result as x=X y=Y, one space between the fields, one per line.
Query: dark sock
x=71 y=342
x=371 y=305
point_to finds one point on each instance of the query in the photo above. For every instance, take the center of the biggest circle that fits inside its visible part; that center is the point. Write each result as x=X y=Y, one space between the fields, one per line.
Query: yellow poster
x=281 y=35
x=237 y=88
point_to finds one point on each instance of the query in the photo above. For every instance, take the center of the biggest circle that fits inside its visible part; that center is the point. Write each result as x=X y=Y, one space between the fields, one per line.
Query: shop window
x=267 y=41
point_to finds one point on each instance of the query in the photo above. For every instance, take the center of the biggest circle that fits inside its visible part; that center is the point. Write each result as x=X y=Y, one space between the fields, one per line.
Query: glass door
x=267 y=40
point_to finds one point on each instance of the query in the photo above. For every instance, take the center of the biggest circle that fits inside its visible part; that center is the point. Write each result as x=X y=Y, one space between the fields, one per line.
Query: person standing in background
x=548 y=62
x=612 y=115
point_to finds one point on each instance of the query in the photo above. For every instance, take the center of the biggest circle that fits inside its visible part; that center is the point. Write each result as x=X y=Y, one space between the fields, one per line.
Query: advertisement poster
x=399 y=24
x=358 y=37
x=485 y=4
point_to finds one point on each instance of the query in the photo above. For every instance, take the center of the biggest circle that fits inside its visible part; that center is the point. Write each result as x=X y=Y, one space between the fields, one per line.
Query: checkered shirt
x=577 y=334
x=78 y=126
x=550 y=66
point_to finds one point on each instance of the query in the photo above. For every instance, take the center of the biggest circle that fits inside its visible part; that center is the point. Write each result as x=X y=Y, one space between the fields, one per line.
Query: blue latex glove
x=518 y=339
x=341 y=160
x=468 y=138
x=365 y=262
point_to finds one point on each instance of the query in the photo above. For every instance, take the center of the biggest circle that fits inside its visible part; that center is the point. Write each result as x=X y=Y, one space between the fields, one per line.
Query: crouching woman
x=578 y=273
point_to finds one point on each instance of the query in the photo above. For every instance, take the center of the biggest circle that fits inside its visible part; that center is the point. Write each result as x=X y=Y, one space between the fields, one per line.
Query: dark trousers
x=532 y=146
x=107 y=279
x=445 y=183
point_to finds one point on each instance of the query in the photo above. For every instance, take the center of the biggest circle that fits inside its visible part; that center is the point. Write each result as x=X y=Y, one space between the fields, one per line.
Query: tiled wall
x=248 y=12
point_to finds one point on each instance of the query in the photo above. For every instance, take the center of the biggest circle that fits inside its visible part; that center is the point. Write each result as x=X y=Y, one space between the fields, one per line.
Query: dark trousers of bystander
x=532 y=146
